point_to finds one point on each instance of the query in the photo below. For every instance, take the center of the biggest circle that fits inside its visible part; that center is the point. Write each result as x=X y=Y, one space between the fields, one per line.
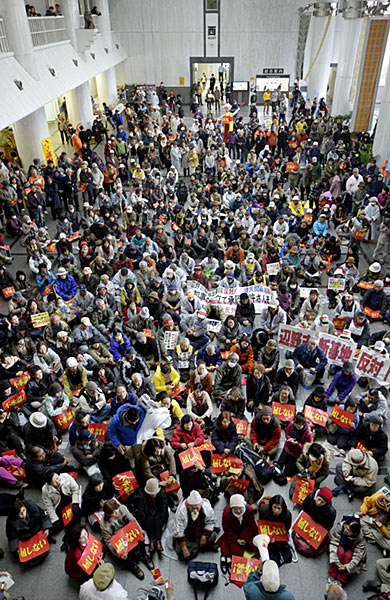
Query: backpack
x=278 y=475
x=202 y=572
x=262 y=468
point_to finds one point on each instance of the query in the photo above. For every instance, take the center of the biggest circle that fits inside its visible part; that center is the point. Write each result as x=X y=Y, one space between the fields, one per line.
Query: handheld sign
x=173 y=487
x=65 y=419
x=14 y=401
x=91 y=555
x=98 y=429
x=303 y=488
x=220 y=463
x=342 y=417
x=311 y=531
x=316 y=416
x=284 y=412
x=207 y=445
x=240 y=569
x=67 y=514
x=127 y=538
x=241 y=426
x=33 y=547
x=276 y=531
x=8 y=292
x=126 y=483
x=189 y=457
x=20 y=382
x=240 y=485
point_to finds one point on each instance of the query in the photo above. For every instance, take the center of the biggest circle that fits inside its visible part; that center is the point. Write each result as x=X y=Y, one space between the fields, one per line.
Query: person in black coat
x=258 y=388
x=287 y=375
x=318 y=505
x=376 y=299
x=245 y=310
x=40 y=462
x=25 y=519
x=95 y=495
x=150 y=508
x=277 y=512
x=224 y=435
x=371 y=434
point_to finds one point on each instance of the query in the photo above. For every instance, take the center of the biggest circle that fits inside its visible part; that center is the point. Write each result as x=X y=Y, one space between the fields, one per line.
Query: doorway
x=208 y=66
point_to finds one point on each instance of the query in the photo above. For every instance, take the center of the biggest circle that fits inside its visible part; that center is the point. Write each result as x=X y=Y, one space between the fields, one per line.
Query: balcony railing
x=3 y=39
x=47 y=30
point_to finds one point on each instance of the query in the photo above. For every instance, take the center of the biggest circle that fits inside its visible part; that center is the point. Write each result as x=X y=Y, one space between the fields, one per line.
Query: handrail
x=4 y=47
x=47 y=30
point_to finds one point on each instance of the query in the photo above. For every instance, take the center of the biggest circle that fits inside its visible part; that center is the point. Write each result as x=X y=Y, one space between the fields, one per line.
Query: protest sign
x=276 y=531
x=14 y=401
x=240 y=569
x=316 y=416
x=241 y=426
x=33 y=547
x=189 y=457
x=91 y=555
x=311 y=531
x=126 y=484
x=127 y=538
x=342 y=417
x=98 y=429
x=283 y=412
x=373 y=365
x=303 y=487
x=219 y=462
x=65 y=419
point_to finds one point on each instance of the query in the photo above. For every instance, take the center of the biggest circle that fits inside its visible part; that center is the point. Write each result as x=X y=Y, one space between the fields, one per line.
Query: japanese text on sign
x=126 y=484
x=341 y=417
x=284 y=412
x=241 y=567
x=303 y=488
x=127 y=538
x=65 y=419
x=276 y=531
x=241 y=426
x=189 y=457
x=316 y=416
x=309 y=530
x=14 y=401
x=91 y=554
x=220 y=463
x=33 y=547
x=373 y=365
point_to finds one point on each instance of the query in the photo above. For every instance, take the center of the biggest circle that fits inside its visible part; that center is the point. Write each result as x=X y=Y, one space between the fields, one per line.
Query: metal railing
x=47 y=30
x=4 y=47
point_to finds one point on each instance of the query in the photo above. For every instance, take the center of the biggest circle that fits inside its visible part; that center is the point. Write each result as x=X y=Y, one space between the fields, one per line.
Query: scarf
x=298 y=433
x=315 y=465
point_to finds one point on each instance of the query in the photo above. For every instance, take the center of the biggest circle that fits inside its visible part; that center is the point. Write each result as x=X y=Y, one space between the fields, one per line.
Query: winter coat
x=267 y=436
x=233 y=530
x=358 y=560
x=236 y=407
x=313 y=311
x=115 y=591
x=36 y=470
x=295 y=450
x=182 y=436
x=245 y=311
x=309 y=359
x=376 y=442
x=224 y=438
x=152 y=466
x=226 y=378
x=120 y=433
x=344 y=385
x=258 y=390
x=24 y=529
x=66 y=288
x=51 y=497
x=142 y=502
x=254 y=590
x=109 y=527
x=181 y=519
x=281 y=379
x=268 y=321
x=365 y=475
x=159 y=381
x=324 y=515
x=118 y=348
x=226 y=335
x=246 y=359
x=303 y=465
x=375 y=301
x=370 y=508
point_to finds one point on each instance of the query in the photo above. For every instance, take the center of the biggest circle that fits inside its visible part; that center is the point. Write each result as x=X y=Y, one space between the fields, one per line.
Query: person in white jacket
x=373 y=215
x=194 y=526
x=280 y=227
x=59 y=491
x=103 y=586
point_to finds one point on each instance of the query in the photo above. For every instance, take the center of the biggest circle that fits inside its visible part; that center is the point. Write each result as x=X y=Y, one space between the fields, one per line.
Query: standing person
x=221 y=73
x=212 y=82
x=217 y=99
x=151 y=511
x=266 y=100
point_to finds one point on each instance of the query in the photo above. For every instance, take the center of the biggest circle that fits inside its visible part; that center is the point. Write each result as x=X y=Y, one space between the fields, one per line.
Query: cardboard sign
x=40 y=319
x=172 y=487
x=362 y=447
x=316 y=416
x=127 y=538
x=373 y=314
x=67 y=514
x=220 y=463
x=33 y=547
x=98 y=429
x=189 y=457
x=240 y=569
x=8 y=292
x=360 y=234
x=272 y=268
x=303 y=488
x=276 y=531
x=126 y=483
x=48 y=290
x=342 y=417
x=91 y=555
x=241 y=485
x=283 y=412
x=313 y=533
x=20 y=382
x=241 y=426
x=339 y=322
x=148 y=333
x=14 y=401
x=365 y=285
x=338 y=285
x=206 y=446
x=65 y=419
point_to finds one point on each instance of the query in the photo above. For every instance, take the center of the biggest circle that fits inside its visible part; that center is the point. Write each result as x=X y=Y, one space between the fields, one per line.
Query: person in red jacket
x=265 y=432
x=298 y=433
x=239 y=529
x=78 y=539
x=188 y=434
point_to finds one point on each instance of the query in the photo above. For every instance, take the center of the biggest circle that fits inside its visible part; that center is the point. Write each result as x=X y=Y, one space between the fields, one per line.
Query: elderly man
x=270 y=318
x=195 y=328
x=228 y=376
x=356 y=475
x=92 y=401
x=267 y=585
x=103 y=317
x=84 y=333
x=310 y=357
x=194 y=527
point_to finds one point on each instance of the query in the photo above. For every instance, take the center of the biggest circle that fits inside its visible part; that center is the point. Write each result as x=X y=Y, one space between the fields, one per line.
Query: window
x=212 y=5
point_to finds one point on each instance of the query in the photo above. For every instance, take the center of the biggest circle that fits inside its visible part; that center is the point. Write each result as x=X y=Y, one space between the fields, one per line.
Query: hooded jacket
x=118 y=432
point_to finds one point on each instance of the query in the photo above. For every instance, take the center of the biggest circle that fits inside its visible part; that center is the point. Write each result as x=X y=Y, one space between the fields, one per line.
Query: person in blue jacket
x=65 y=285
x=44 y=277
x=320 y=226
x=209 y=354
x=124 y=426
x=118 y=345
x=341 y=385
x=267 y=585
x=310 y=356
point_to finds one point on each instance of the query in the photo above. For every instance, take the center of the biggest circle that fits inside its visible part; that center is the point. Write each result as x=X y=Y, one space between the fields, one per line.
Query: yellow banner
x=48 y=150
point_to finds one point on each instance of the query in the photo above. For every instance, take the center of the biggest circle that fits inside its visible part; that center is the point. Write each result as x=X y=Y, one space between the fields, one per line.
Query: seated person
x=269 y=356
x=258 y=388
x=155 y=458
x=183 y=359
x=356 y=475
x=173 y=407
x=359 y=328
x=115 y=517
x=239 y=529
x=105 y=379
x=376 y=300
x=188 y=434
x=265 y=432
x=25 y=519
x=166 y=378
x=318 y=505
x=342 y=437
x=40 y=462
x=341 y=385
x=40 y=431
x=375 y=520
x=284 y=396
x=229 y=334
x=275 y=510
x=298 y=433
x=266 y=585
x=95 y=494
x=347 y=551
x=194 y=527
x=202 y=376
x=234 y=402
x=373 y=437
x=287 y=375
x=59 y=491
x=313 y=463
x=373 y=402
x=244 y=351
x=77 y=540
x=224 y=435
x=151 y=512
x=87 y=451
x=317 y=400
x=199 y=406
x=310 y=357
x=92 y=400
x=211 y=356
x=228 y=375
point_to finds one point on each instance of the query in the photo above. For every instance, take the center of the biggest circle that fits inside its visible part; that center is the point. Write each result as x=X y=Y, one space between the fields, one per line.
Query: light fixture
x=106 y=50
x=52 y=71
x=75 y=62
x=19 y=84
x=93 y=55
x=351 y=9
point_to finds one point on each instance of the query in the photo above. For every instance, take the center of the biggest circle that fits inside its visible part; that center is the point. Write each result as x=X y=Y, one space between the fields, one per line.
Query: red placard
x=362 y=447
x=360 y=234
x=9 y=453
x=74 y=237
x=127 y=538
x=33 y=547
x=65 y=419
x=18 y=472
x=309 y=218
x=20 y=382
x=126 y=483
x=241 y=485
x=173 y=487
x=177 y=390
x=14 y=401
x=339 y=322
x=276 y=531
x=241 y=426
x=206 y=446
x=98 y=429
x=82 y=186
x=225 y=354
x=219 y=462
x=303 y=488
x=8 y=292
x=309 y=530
x=156 y=573
x=48 y=290
x=342 y=417
x=148 y=333
x=91 y=555
x=241 y=567
x=292 y=167
x=52 y=247
x=365 y=285
x=67 y=514
x=284 y=412
x=373 y=314
x=189 y=457
x=316 y=416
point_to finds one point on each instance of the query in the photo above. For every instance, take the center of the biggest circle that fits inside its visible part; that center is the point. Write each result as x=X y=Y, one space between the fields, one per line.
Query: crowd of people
x=117 y=338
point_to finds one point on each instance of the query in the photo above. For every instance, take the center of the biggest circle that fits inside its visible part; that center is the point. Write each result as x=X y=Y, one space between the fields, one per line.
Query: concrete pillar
x=18 y=34
x=349 y=42
x=70 y=10
x=106 y=87
x=92 y=87
x=79 y=105
x=317 y=79
x=28 y=135
x=104 y=21
x=382 y=137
